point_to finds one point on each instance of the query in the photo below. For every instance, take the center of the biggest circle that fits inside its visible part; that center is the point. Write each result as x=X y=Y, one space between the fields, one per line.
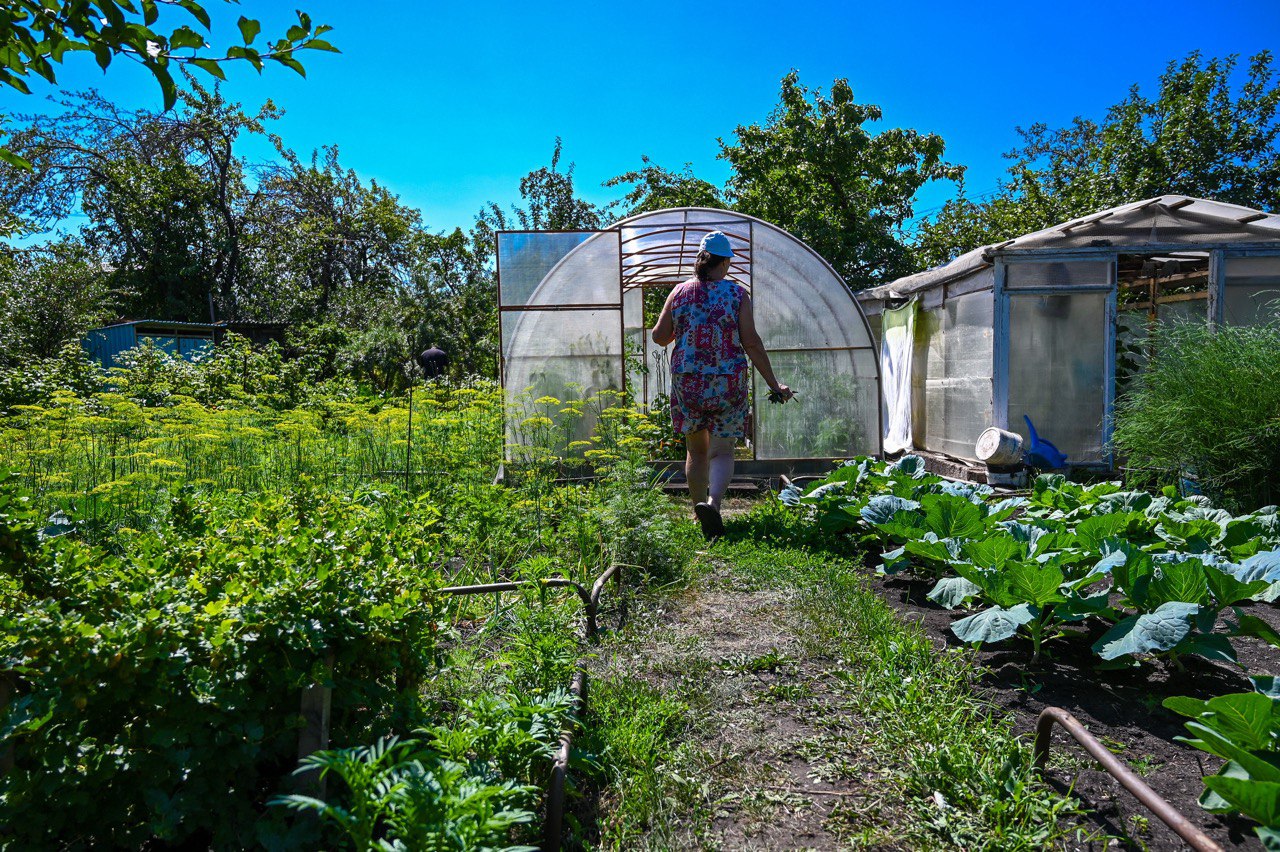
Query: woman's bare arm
x=754 y=347
x=664 y=330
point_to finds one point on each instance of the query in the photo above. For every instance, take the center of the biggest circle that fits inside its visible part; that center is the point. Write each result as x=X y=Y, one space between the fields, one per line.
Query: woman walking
x=710 y=321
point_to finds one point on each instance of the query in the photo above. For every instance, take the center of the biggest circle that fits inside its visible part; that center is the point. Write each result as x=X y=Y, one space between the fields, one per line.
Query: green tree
x=165 y=195
x=1200 y=136
x=816 y=169
x=453 y=294
x=656 y=188
x=49 y=296
x=36 y=35
x=549 y=202
x=327 y=244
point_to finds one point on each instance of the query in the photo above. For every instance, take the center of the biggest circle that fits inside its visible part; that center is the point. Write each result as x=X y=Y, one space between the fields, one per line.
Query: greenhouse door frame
x=603 y=307
x=1002 y=343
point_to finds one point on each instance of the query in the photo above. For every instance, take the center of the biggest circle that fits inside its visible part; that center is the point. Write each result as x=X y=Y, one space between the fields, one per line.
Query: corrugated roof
x=1165 y=220
x=166 y=323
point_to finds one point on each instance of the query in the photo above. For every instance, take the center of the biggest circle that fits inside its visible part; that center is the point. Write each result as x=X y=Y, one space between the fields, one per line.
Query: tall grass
x=1208 y=407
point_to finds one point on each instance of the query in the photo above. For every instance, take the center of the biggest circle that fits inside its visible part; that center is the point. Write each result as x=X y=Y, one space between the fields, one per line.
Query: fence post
x=317 y=702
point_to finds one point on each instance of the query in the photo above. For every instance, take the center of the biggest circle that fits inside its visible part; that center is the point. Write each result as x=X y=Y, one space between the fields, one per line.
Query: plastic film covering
x=951 y=375
x=1071 y=273
x=1252 y=293
x=897 y=345
x=1057 y=370
x=558 y=268
x=835 y=415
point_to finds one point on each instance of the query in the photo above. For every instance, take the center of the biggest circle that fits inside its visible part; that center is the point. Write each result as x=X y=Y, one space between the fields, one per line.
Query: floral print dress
x=709 y=369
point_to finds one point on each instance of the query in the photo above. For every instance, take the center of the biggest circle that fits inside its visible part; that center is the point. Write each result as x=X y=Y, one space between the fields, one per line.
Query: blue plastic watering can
x=1041 y=453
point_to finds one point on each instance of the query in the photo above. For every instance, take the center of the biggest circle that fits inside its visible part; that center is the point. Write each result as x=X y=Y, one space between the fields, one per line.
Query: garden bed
x=1121 y=708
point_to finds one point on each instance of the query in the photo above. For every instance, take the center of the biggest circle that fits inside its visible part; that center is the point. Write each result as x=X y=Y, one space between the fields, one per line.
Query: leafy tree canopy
x=37 y=34
x=655 y=188
x=1200 y=136
x=816 y=169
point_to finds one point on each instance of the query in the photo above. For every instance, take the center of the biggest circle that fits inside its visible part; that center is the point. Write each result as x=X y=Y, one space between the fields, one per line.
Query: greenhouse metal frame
x=573 y=323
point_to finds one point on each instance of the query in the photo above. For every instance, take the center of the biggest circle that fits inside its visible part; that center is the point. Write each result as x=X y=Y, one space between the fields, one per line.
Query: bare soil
x=1122 y=708
x=765 y=711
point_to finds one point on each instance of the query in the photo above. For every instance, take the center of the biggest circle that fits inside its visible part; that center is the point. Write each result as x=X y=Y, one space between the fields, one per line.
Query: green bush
x=158 y=681
x=1208 y=407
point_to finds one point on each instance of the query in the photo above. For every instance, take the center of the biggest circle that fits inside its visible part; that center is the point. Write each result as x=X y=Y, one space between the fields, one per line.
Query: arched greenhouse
x=574 y=323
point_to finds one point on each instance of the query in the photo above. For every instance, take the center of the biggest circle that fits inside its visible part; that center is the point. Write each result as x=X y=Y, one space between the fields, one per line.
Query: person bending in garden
x=710 y=321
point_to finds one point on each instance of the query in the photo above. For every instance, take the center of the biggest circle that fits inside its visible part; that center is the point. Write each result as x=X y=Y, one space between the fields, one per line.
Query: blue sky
x=449 y=105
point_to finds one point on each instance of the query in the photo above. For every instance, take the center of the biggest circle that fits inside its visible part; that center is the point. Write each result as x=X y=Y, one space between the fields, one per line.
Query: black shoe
x=709 y=517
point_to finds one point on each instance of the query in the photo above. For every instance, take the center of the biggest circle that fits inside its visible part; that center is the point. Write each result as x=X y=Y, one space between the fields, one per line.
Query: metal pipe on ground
x=553 y=828
x=1150 y=799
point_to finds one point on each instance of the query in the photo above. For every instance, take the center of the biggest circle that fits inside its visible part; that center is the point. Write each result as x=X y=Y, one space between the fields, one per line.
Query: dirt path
x=768 y=717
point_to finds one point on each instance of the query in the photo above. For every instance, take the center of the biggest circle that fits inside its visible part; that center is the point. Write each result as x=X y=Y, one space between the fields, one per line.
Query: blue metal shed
x=104 y=345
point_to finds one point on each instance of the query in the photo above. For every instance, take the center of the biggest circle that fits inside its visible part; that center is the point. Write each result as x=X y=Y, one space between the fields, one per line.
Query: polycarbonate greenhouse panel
x=558 y=268
x=1252 y=292
x=799 y=303
x=951 y=375
x=836 y=413
x=1057 y=370
x=560 y=354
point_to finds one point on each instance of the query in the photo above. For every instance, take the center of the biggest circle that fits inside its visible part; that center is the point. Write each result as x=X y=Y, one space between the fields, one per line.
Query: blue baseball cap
x=716 y=243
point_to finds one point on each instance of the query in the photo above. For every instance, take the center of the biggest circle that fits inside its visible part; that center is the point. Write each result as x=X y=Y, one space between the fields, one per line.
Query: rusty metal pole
x=553 y=829
x=1167 y=813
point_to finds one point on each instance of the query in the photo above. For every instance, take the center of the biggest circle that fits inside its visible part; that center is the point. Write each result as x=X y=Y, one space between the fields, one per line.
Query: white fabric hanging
x=896 y=345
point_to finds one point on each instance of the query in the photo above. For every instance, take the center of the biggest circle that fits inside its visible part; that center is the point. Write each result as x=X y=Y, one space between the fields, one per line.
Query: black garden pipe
x=1167 y=813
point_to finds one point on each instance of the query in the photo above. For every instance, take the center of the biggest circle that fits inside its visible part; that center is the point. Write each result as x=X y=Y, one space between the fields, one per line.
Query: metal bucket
x=998 y=447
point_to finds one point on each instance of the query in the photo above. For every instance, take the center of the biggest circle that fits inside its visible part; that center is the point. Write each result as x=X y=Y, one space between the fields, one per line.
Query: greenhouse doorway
x=575 y=306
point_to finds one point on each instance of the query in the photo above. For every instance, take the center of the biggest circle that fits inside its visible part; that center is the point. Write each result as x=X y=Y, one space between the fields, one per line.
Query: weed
x=769 y=661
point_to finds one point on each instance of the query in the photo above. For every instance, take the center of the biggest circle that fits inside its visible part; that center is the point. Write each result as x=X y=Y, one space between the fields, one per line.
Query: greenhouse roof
x=1165 y=221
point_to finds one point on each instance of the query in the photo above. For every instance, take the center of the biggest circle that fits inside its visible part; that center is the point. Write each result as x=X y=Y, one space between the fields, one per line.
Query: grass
x=1207 y=408
x=936 y=766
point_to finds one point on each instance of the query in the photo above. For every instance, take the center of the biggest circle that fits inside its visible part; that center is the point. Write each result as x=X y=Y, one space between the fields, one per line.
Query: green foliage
x=655 y=188
x=461 y=787
x=165 y=197
x=1244 y=730
x=162 y=673
x=1172 y=566
x=49 y=296
x=637 y=527
x=37 y=34
x=816 y=169
x=1208 y=406
x=36 y=381
x=189 y=551
x=1206 y=135
x=550 y=204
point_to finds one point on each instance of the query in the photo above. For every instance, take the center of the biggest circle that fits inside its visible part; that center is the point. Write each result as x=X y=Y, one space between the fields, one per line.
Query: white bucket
x=998 y=447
